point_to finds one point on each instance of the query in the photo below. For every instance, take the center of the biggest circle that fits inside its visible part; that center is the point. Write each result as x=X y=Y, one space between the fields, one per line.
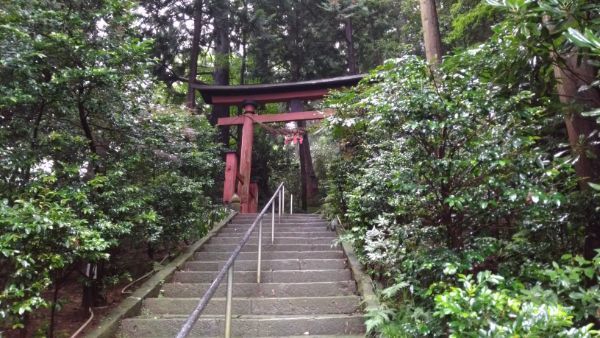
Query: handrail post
x=283 y=200
x=291 y=204
x=273 y=222
x=258 y=269
x=229 y=300
x=279 y=206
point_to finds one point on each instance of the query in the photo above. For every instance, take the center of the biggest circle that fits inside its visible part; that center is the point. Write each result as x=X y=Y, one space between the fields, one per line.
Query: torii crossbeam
x=283 y=92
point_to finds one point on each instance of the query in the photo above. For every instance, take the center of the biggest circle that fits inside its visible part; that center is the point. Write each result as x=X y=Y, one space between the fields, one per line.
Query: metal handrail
x=228 y=267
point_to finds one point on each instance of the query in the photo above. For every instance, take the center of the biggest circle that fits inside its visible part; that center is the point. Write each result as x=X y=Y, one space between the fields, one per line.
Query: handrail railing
x=228 y=267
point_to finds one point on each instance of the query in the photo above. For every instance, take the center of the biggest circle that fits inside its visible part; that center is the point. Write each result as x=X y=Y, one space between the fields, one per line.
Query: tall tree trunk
x=570 y=76
x=220 y=13
x=351 y=57
x=91 y=287
x=191 y=94
x=431 y=31
x=244 y=43
x=309 y=183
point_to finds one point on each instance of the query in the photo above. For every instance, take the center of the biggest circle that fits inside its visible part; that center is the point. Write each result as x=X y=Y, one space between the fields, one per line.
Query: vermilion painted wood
x=239 y=178
x=281 y=117
x=246 y=163
x=242 y=176
x=313 y=94
x=253 y=197
x=231 y=168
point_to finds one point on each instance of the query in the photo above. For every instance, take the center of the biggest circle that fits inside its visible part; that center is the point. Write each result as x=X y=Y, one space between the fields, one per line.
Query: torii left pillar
x=246 y=156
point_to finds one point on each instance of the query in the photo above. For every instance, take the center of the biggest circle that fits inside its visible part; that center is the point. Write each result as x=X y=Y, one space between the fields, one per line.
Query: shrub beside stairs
x=306 y=286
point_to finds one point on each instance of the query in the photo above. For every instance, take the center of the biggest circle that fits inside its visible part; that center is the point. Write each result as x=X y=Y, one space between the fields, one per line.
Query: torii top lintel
x=278 y=92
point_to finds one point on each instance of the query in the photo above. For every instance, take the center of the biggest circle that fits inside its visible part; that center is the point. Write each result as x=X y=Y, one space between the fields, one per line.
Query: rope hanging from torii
x=293 y=136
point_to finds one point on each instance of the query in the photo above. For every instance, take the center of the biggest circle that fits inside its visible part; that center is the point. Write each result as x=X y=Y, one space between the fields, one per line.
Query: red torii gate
x=249 y=95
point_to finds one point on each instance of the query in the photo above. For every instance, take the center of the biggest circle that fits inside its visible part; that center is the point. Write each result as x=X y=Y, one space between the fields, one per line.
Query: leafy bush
x=91 y=169
x=41 y=239
x=453 y=174
x=489 y=307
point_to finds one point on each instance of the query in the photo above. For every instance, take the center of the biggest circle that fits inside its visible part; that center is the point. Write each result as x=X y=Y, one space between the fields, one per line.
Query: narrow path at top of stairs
x=306 y=286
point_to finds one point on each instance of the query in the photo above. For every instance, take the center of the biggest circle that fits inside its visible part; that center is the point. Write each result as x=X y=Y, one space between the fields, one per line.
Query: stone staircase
x=306 y=287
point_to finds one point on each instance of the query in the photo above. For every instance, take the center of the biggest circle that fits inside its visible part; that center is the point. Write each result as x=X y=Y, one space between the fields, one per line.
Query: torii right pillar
x=245 y=171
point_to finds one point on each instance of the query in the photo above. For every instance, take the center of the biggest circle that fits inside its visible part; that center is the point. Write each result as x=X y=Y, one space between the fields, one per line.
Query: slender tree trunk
x=91 y=291
x=85 y=126
x=242 y=71
x=309 y=184
x=220 y=13
x=433 y=53
x=431 y=31
x=34 y=138
x=24 y=332
x=53 y=308
x=91 y=288
x=351 y=57
x=244 y=43
x=191 y=94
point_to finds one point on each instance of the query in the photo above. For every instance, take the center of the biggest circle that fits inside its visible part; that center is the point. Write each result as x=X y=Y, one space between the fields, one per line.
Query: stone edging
x=364 y=283
x=131 y=305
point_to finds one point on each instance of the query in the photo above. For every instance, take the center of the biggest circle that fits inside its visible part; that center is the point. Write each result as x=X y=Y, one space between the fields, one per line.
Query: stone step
x=238 y=229
x=256 y=306
x=282 y=217
x=278 y=234
x=311 y=336
x=287 y=227
x=279 y=220
x=267 y=220
x=246 y=325
x=314 y=289
x=330 y=254
x=253 y=215
x=282 y=223
x=210 y=247
x=278 y=276
x=269 y=264
x=277 y=240
x=306 y=289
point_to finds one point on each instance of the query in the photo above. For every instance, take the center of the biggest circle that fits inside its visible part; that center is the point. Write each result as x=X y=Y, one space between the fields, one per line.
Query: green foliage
x=576 y=283
x=587 y=39
x=89 y=164
x=490 y=307
x=377 y=318
x=438 y=147
x=40 y=238
x=455 y=172
x=274 y=162
x=470 y=22
x=545 y=306
x=552 y=26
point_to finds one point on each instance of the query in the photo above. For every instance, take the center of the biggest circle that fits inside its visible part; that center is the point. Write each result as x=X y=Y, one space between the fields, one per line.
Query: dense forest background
x=465 y=167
